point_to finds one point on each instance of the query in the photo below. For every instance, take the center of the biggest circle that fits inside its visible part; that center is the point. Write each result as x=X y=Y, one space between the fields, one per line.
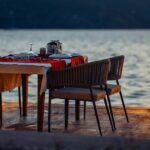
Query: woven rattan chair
x=1 y=116
x=75 y=83
x=19 y=100
x=115 y=74
x=1 y=109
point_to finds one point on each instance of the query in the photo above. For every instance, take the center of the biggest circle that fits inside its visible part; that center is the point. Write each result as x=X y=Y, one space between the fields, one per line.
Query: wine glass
x=30 y=51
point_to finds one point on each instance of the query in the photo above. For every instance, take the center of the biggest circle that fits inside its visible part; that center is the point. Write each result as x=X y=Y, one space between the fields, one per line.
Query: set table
x=14 y=73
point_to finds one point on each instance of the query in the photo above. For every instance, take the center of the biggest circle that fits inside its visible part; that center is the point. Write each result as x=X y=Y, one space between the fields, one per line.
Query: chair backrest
x=84 y=75
x=116 y=66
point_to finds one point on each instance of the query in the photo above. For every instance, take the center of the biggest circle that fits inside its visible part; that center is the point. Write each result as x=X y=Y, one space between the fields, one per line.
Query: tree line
x=80 y=14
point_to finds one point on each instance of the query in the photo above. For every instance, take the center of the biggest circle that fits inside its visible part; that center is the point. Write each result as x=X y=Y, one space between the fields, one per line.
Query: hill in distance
x=80 y=14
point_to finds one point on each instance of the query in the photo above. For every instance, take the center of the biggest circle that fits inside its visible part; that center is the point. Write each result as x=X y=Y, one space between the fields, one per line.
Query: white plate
x=60 y=56
x=24 y=55
x=75 y=54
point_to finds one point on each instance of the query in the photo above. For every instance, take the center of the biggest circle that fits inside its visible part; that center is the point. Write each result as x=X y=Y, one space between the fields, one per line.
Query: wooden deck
x=138 y=127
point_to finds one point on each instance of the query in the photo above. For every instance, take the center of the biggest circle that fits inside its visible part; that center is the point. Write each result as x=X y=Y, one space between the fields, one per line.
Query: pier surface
x=138 y=127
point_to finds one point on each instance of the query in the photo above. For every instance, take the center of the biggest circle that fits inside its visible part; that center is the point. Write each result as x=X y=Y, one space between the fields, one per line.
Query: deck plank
x=138 y=127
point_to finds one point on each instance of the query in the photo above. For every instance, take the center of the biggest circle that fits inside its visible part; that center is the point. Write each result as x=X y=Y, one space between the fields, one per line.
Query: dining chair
x=115 y=73
x=75 y=83
x=20 y=101
x=1 y=108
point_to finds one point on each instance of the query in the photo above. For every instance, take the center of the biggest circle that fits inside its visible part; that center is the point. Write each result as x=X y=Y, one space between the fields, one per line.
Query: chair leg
x=96 y=114
x=110 y=118
x=84 y=110
x=19 y=96
x=66 y=113
x=77 y=110
x=111 y=112
x=1 y=116
x=49 y=112
x=124 y=107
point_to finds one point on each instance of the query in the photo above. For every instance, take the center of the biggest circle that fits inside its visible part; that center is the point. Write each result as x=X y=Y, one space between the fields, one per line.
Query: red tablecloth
x=77 y=60
x=56 y=64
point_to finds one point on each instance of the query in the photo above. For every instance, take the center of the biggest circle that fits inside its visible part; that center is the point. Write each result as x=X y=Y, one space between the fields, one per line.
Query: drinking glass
x=30 y=51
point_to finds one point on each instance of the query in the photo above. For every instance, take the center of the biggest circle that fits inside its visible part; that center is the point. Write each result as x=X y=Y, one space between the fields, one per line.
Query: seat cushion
x=112 y=88
x=77 y=93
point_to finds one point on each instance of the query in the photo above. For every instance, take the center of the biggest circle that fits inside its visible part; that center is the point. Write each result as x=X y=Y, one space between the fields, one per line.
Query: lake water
x=96 y=44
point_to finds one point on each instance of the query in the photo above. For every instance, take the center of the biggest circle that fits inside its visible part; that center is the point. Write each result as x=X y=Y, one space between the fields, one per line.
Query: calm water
x=96 y=44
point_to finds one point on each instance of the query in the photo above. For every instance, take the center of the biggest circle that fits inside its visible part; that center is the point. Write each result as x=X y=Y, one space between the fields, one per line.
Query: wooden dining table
x=22 y=71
